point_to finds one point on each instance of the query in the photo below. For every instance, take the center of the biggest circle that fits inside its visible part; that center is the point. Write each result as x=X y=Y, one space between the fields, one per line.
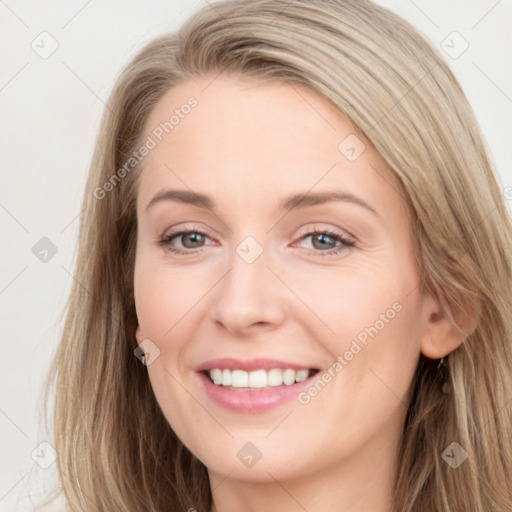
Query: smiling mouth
x=241 y=380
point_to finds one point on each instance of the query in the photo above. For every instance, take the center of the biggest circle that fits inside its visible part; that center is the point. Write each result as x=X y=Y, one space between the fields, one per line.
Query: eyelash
x=165 y=241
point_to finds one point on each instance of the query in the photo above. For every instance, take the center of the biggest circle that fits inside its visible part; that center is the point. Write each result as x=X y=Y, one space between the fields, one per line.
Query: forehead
x=233 y=136
x=267 y=114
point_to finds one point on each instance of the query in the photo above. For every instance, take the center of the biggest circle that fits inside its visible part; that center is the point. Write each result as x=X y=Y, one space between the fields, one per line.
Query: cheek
x=165 y=296
x=345 y=302
x=370 y=325
x=378 y=353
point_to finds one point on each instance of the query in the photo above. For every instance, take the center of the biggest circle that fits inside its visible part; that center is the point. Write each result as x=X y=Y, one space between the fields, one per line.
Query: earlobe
x=440 y=336
x=138 y=335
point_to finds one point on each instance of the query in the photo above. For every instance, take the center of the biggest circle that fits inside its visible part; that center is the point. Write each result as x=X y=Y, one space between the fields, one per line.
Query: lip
x=251 y=401
x=250 y=365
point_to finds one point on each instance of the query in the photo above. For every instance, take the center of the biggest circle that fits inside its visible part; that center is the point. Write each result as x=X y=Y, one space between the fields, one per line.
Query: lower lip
x=257 y=400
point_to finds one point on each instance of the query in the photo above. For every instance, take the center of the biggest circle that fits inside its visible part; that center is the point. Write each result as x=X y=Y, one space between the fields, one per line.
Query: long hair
x=116 y=451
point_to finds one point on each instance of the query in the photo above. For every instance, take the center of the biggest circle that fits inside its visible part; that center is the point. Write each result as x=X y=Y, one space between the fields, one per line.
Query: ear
x=138 y=335
x=439 y=335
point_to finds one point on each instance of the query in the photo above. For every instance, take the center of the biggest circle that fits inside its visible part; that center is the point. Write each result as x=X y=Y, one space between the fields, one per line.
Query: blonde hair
x=116 y=451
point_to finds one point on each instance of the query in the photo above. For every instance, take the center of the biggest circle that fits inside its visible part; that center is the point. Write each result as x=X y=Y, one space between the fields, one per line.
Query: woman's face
x=296 y=256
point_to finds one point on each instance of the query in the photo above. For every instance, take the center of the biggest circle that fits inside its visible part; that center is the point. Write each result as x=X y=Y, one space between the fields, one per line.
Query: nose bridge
x=250 y=293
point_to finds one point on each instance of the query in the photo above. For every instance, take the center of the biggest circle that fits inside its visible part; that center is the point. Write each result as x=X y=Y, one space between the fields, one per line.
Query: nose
x=250 y=298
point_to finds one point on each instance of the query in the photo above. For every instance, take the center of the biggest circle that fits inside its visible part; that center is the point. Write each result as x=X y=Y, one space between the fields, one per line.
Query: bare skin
x=248 y=146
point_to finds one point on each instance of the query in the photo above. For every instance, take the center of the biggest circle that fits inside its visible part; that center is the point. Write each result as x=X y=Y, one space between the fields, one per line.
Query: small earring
x=443 y=370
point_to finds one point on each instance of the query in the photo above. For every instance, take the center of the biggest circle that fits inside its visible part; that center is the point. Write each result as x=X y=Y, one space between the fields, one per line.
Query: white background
x=50 y=112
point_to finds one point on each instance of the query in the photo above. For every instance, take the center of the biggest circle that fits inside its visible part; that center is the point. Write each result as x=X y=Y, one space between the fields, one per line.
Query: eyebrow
x=293 y=202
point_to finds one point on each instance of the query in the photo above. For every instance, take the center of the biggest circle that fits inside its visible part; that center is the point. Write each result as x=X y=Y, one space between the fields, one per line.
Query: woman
x=296 y=261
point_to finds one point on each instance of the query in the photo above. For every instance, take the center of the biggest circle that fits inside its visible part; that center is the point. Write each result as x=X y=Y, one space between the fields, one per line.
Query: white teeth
x=239 y=379
x=226 y=378
x=257 y=378
x=289 y=377
x=301 y=375
x=275 y=377
x=216 y=376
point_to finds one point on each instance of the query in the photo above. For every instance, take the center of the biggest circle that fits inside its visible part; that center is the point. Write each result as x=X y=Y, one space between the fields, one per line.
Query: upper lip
x=250 y=364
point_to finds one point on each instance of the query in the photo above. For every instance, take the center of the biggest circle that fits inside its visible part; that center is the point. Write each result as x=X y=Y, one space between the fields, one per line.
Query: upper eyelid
x=183 y=231
x=307 y=232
